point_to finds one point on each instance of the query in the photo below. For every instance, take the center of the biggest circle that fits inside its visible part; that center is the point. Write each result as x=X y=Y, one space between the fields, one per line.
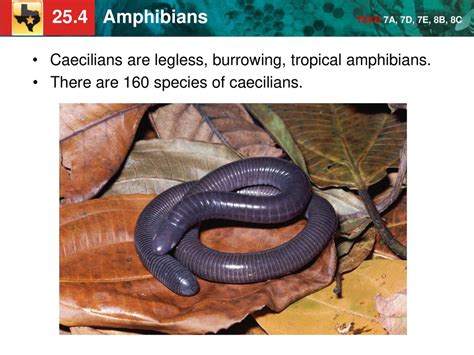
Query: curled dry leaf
x=155 y=165
x=395 y=107
x=396 y=221
x=94 y=140
x=353 y=228
x=104 y=284
x=229 y=124
x=393 y=312
x=248 y=326
x=344 y=247
x=343 y=147
x=323 y=313
x=358 y=252
x=346 y=203
x=98 y=331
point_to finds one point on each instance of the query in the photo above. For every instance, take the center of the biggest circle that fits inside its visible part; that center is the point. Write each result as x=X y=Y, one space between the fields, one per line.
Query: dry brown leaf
x=94 y=140
x=103 y=283
x=98 y=331
x=229 y=124
x=248 y=326
x=393 y=312
x=155 y=165
x=396 y=221
x=358 y=253
x=324 y=313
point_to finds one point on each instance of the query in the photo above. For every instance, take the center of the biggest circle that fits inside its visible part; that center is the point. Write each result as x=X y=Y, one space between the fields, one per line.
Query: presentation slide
x=246 y=170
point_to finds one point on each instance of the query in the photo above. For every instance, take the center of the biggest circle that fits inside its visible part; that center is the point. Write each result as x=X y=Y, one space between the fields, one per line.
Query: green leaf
x=277 y=128
x=343 y=147
x=154 y=166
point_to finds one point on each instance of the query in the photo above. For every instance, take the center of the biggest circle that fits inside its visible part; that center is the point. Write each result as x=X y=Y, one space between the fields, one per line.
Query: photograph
x=233 y=218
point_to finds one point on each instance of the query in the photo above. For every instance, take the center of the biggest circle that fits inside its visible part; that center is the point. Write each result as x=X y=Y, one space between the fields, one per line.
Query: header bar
x=237 y=18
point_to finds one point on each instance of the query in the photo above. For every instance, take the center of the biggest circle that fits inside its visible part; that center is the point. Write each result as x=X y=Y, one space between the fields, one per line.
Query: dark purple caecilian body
x=256 y=190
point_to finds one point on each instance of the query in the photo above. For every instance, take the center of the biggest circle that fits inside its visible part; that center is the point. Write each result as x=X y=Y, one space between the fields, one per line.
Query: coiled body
x=269 y=190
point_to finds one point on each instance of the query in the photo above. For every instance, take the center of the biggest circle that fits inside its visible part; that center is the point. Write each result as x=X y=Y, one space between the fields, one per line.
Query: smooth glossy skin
x=269 y=190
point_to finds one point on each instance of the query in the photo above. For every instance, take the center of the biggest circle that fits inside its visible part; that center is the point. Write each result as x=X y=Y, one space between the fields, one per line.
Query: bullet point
x=35 y=59
x=35 y=82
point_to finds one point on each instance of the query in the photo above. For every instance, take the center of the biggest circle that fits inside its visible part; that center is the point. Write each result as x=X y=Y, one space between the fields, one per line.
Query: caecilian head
x=166 y=238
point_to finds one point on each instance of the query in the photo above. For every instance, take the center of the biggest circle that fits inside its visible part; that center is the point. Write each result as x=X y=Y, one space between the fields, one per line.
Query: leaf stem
x=394 y=193
x=214 y=129
x=338 y=289
x=386 y=235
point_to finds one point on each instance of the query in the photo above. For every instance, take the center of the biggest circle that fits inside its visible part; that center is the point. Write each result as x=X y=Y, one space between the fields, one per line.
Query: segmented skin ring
x=255 y=190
